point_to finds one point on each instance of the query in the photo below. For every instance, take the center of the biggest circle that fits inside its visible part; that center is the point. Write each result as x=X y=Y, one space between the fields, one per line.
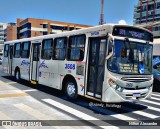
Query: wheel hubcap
x=71 y=89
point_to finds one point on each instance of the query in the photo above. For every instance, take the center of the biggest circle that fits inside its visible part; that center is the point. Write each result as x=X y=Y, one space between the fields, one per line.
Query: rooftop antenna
x=101 y=21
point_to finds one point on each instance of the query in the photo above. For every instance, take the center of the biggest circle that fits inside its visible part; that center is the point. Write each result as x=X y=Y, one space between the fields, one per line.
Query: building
x=7 y=32
x=3 y=26
x=147 y=11
x=147 y=15
x=32 y=27
x=10 y=33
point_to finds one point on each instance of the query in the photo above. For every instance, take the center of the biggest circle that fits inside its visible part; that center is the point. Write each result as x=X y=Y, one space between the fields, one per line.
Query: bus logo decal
x=94 y=33
x=40 y=74
x=129 y=85
x=43 y=65
x=24 y=62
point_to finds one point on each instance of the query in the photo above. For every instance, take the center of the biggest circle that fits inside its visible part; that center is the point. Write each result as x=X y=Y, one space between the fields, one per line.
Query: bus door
x=10 y=59
x=35 y=61
x=96 y=68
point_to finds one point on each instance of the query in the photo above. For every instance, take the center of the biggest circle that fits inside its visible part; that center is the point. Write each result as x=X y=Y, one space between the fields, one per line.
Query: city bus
x=107 y=63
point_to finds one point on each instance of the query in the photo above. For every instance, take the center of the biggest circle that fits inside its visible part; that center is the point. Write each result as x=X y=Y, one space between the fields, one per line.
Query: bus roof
x=109 y=28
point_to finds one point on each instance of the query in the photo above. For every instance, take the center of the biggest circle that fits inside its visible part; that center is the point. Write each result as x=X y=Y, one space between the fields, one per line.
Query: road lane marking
x=140 y=113
x=11 y=83
x=155 y=98
x=10 y=91
x=148 y=101
x=30 y=90
x=153 y=108
x=155 y=95
x=13 y=95
x=33 y=112
x=75 y=112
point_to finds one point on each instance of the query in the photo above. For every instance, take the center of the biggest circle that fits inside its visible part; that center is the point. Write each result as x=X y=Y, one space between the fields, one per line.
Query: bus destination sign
x=133 y=33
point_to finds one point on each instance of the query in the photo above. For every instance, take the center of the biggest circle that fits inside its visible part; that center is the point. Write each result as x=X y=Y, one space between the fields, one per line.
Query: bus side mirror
x=110 y=49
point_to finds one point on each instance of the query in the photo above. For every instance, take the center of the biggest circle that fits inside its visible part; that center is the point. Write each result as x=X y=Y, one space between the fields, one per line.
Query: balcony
x=137 y=10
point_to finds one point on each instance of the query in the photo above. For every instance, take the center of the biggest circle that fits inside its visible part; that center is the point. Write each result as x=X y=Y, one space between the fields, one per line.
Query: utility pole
x=101 y=21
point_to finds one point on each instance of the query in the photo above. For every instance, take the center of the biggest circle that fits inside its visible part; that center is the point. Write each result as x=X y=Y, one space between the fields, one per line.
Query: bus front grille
x=135 y=79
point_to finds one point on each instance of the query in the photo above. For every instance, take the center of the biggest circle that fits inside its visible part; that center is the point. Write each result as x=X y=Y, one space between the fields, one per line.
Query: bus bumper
x=111 y=95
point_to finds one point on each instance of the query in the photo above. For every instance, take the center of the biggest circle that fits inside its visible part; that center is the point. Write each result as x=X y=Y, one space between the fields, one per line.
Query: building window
x=25 y=34
x=25 y=49
x=54 y=27
x=158 y=5
x=6 y=50
x=45 y=33
x=45 y=25
x=76 y=47
x=59 y=48
x=144 y=8
x=47 y=49
x=17 y=50
x=150 y=7
x=71 y=28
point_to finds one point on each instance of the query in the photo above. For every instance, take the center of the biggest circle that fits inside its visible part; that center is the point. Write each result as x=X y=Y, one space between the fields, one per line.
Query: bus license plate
x=136 y=94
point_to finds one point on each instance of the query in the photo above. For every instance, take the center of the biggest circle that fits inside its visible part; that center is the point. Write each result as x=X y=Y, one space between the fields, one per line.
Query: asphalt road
x=115 y=114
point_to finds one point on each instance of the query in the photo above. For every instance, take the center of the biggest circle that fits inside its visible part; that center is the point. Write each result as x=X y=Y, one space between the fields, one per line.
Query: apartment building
x=8 y=31
x=32 y=27
x=147 y=15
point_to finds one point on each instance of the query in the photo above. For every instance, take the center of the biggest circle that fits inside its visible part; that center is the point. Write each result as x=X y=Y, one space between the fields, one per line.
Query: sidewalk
x=15 y=104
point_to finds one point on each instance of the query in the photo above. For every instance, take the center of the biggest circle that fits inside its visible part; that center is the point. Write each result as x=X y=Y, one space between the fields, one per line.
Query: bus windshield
x=131 y=58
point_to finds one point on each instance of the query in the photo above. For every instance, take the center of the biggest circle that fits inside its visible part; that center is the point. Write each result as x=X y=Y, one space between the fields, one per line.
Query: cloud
x=122 y=22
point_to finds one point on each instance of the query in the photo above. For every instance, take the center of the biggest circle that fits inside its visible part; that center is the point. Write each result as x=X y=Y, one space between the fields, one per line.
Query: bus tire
x=17 y=75
x=71 y=89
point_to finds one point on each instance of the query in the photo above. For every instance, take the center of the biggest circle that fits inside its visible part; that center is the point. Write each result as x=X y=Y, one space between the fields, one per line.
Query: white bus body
x=82 y=62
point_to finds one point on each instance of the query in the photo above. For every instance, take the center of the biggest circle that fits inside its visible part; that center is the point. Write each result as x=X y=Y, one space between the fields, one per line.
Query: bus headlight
x=112 y=83
x=119 y=88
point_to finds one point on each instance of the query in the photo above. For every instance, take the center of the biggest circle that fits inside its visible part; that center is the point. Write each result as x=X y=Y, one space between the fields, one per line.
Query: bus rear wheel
x=71 y=90
x=17 y=75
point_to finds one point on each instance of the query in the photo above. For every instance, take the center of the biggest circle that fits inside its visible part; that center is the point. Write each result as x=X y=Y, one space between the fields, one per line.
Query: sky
x=74 y=11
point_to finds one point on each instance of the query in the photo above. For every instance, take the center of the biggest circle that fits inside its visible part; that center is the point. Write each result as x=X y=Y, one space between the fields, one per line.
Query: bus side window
x=25 y=49
x=17 y=50
x=6 y=48
x=76 y=47
x=59 y=50
x=46 y=52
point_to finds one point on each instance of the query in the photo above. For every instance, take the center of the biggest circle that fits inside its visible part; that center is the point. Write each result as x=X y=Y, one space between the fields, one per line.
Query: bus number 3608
x=70 y=66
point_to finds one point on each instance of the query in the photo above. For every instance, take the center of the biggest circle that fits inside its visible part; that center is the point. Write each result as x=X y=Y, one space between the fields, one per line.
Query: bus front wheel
x=71 y=90
x=17 y=75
